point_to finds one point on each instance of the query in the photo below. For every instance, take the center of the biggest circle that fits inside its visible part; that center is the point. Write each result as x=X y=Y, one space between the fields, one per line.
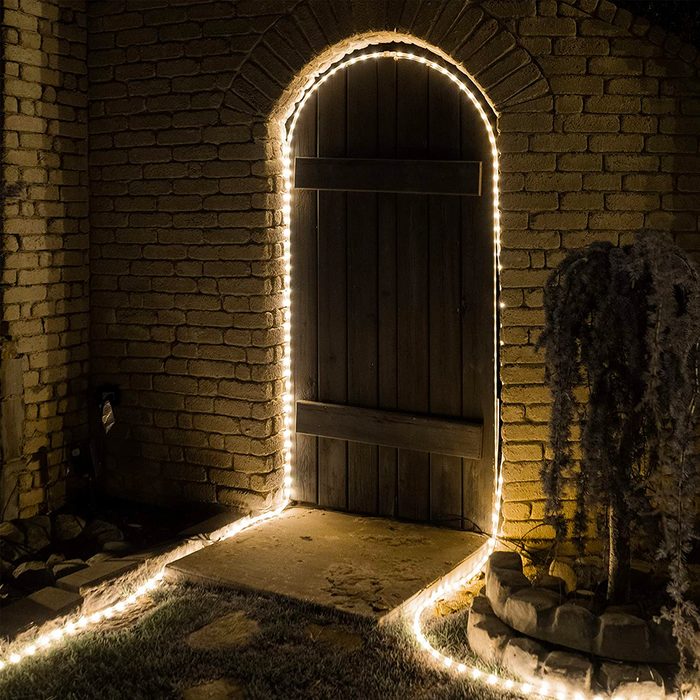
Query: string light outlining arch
x=132 y=597
x=129 y=598
x=287 y=126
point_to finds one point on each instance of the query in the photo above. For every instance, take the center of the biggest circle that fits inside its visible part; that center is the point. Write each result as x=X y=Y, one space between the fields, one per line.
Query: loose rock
x=487 y=635
x=10 y=532
x=522 y=657
x=573 y=670
x=11 y=551
x=67 y=527
x=32 y=574
x=573 y=626
x=481 y=610
x=622 y=636
x=529 y=610
x=631 y=680
x=565 y=572
x=12 y=546
x=101 y=531
x=54 y=559
x=36 y=532
x=505 y=560
x=502 y=583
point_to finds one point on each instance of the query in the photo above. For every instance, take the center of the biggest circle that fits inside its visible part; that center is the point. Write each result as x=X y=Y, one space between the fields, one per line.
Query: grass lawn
x=297 y=651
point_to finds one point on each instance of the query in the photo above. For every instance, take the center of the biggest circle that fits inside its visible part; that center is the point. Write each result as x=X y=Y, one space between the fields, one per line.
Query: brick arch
x=293 y=49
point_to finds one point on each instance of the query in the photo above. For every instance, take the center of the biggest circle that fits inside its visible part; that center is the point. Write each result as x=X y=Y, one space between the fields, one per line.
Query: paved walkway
x=362 y=565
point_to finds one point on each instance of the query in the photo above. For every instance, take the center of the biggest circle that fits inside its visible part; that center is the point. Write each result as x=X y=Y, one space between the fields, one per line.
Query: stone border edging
x=531 y=661
x=540 y=613
x=69 y=592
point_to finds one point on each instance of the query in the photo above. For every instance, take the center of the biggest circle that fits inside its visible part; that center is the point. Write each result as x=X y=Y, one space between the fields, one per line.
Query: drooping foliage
x=621 y=341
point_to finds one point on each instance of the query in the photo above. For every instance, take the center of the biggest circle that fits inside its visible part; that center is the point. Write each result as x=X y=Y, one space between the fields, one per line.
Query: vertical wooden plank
x=386 y=284
x=412 y=310
x=477 y=315
x=304 y=307
x=362 y=284
x=332 y=338
x=445 y=335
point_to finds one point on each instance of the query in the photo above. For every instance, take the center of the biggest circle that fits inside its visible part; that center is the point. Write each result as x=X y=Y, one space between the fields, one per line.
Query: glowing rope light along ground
x=84 y=622
x=315 y=83
x=542 y=689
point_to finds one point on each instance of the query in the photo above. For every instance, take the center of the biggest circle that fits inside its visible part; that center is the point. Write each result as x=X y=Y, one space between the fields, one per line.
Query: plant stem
x=619 y=551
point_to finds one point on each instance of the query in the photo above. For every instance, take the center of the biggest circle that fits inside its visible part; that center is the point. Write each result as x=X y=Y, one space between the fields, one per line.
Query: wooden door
x=392 y=298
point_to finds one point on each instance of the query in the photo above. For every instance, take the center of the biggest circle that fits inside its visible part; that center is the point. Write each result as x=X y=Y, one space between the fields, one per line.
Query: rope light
x=314 y=83
x=81 y=623
x=544 y=688
x=452 y=586
x=84 y=622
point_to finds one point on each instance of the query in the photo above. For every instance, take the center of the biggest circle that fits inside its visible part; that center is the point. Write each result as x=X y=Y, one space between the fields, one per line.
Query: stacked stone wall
x=44 y=291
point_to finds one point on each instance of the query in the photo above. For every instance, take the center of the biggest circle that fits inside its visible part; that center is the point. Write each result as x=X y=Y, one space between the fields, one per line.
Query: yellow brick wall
x=598 y=122
x=44 y=339
x=597 y=134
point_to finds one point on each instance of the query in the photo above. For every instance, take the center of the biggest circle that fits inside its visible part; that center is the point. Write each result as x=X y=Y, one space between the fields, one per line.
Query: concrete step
x=362 y=565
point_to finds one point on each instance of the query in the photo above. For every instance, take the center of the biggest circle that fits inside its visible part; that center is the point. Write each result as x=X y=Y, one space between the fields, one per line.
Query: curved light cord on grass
x=542 y=688
x=81 y=623
x=131 y=598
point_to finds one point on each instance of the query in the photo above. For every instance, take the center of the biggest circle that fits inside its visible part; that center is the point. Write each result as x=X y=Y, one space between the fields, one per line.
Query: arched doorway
x=393 y=250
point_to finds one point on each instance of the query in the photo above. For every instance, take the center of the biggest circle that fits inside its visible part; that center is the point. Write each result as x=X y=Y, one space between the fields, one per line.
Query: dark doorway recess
x=392 y=294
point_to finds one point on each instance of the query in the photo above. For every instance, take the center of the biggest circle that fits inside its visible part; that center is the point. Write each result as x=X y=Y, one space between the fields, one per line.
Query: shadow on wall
x=671 y=157
x=678 y=139
x=677 y=16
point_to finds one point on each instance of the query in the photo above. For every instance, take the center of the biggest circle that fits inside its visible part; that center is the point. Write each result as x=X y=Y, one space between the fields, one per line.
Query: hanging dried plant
x=624 y=322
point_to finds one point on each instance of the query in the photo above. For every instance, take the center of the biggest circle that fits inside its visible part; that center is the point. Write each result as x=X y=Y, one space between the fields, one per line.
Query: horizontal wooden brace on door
x=460 y=177
x=390 y=429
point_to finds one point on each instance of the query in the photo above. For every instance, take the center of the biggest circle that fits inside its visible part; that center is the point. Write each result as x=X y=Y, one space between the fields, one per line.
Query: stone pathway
x=222 y=689
x=233 y=630
x=335 y=636
x=237 y=630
